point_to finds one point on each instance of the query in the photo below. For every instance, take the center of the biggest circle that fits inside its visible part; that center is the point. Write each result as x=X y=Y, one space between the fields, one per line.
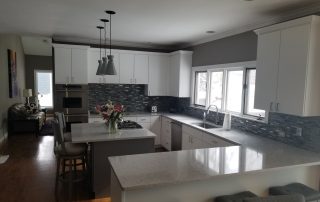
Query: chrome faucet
x=205 y=114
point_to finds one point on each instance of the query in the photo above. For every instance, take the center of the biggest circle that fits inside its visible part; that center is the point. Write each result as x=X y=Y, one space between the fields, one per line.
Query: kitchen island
x=202 y=174
x=104 y=145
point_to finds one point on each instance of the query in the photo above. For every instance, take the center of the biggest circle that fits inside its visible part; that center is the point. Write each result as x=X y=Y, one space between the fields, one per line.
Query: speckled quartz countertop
x=97 y=132
x=254 y=154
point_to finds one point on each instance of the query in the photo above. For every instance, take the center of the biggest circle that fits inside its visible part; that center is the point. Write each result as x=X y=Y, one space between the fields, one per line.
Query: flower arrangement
x=111 y=113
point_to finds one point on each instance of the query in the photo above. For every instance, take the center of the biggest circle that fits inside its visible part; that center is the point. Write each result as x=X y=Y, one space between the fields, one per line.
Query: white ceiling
x=37 y=45
x=146 y=22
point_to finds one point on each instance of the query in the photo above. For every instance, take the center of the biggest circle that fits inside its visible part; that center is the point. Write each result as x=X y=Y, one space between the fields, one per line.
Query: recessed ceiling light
x=210 y=32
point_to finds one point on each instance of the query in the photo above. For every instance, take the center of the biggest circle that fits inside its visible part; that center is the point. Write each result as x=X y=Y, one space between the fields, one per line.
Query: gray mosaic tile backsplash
x=132 y=97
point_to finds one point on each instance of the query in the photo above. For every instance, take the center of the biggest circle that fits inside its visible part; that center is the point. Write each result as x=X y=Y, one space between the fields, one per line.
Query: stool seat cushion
x=282 y=198
x=67 y=137
x=239 y=197
x=71 y=149
x=296 y=188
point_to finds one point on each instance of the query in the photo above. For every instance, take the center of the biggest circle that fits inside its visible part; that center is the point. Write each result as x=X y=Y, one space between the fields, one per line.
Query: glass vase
x=112 y=126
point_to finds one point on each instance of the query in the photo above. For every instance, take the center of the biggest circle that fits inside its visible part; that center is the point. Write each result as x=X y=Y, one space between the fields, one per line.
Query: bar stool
x=238 y=197
x=68 y=154
x=282 y=198
x=62 y=122
x=296 y=188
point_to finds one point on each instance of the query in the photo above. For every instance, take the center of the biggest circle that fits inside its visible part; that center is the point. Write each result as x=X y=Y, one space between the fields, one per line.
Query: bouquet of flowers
x=112 y=113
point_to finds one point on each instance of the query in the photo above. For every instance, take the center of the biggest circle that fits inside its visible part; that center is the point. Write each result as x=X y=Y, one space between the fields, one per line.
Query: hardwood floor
x=29 y=174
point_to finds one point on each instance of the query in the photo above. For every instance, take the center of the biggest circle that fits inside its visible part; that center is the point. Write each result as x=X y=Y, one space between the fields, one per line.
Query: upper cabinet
x=94 y=56
x=288 y=67
x=158 y=75
x=134 y=68
x=180 y=73
x=71 y=63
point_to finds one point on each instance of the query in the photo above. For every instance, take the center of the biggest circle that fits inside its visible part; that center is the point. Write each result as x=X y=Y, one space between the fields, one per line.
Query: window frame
x=244 y=66
x=195 y=87
x=36 y=87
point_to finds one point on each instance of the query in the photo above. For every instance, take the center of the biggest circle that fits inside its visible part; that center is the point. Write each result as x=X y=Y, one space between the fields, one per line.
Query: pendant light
x=110 y=69
x=99 y=70
x=104 y=59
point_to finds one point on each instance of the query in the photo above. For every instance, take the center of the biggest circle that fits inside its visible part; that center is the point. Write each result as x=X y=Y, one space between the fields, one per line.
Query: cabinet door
x=166 y=133
x=155 y=127
x=126 y=68
x=62 y=64
x=141 y=69
x=267 y=70
x=158 y=75
x=79 y=66
x=292 y=69
x=93 y=57
x=174 y=75
x=186 y=141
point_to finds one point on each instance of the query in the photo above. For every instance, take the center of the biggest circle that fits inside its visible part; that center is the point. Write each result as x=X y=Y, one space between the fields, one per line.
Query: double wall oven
x=72 y=100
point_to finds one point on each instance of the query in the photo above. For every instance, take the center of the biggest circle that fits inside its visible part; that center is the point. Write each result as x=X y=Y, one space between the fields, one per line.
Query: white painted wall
x=9 y=42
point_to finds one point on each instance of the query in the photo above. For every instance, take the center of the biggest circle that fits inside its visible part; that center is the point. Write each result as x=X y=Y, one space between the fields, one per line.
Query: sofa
x=23 y=120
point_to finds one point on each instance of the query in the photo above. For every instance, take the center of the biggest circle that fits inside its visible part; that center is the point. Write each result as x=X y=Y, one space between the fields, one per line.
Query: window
x=201 y=88
x=234 y=91
x=250 y=92
x=230 y=89
x=216 y=89
x=43 y=87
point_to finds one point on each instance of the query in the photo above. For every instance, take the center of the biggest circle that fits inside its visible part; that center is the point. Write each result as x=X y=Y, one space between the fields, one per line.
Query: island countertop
x=97 y=132
x=255 y=154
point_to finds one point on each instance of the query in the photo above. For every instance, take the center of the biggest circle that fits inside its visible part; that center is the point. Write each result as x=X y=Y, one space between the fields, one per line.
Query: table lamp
x=27 y=93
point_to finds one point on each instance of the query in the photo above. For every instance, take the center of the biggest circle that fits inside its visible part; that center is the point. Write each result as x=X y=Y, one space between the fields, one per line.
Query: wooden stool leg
x=70 y=180
x=57 y=173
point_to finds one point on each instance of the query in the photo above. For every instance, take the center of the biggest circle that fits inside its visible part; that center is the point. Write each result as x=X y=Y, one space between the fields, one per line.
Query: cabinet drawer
x=130 y=118
x=215 y=141
x=191 y=131
x=144 y=119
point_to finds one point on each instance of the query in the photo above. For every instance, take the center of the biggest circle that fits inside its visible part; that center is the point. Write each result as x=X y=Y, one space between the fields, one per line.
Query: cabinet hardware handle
x=271 y=106
x=277 y=107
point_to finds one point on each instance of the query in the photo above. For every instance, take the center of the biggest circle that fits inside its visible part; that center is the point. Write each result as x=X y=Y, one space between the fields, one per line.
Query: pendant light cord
x=100 y=43
x=110 y=34
x=105 y=40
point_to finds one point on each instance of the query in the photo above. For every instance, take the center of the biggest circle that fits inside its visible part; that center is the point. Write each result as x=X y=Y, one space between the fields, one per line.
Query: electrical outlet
x=298 y=132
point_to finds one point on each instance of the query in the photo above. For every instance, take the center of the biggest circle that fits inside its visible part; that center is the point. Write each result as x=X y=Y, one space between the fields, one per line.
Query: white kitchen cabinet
x=141 y=69
x=155 y=127
x=71 y=64
x=166 y=133
x=158 y=75
x=126 y=68
x=62 y=63
x=267 y=70
x=94 y=56
x=297 y=67
x=180 y=73
x=79 y=61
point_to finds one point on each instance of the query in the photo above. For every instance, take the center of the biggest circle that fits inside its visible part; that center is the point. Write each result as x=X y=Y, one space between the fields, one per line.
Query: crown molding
x=302 y=12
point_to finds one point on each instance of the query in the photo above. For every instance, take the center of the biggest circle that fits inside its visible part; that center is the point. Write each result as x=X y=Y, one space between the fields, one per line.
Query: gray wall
x=36 y=62
x=238 y=48
x=9 y=42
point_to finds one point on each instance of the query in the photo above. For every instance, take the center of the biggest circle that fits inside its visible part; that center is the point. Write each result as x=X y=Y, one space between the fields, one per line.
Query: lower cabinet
x=166 y=133
x=155 y=127
x=193 y=138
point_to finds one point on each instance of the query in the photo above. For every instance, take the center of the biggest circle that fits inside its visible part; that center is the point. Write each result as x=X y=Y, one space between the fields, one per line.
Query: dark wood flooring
x=29 y=174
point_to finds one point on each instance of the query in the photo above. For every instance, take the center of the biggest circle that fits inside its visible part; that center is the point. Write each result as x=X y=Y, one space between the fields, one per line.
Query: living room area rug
x=47 y=129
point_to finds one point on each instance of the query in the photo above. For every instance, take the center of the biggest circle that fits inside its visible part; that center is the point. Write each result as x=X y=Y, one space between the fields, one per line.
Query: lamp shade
x=110 y=70
x=27 y=92
x=99 y=70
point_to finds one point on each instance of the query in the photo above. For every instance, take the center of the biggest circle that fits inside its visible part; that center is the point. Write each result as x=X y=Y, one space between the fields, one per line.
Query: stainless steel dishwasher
x=176 y=136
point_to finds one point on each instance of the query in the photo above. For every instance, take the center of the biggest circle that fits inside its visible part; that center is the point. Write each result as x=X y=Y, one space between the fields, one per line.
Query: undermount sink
x=205 y=125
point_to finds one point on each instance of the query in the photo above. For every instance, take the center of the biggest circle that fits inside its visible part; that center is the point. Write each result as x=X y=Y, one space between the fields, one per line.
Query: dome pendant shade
x=99 y=70
x=110 y=70
x=104 y=66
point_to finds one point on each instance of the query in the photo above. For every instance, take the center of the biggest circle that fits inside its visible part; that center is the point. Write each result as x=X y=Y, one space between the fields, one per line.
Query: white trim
x=58 y=45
